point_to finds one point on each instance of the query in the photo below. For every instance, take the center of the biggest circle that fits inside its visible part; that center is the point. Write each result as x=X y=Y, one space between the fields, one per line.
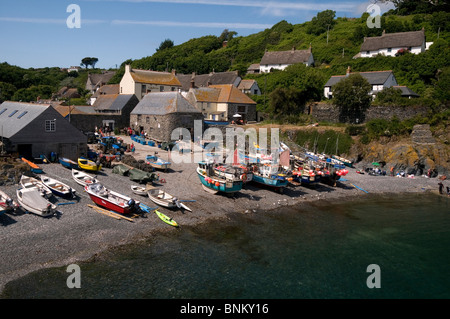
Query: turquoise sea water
x=319 y=250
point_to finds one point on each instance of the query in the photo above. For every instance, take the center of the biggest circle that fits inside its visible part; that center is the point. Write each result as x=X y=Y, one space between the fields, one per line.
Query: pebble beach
x=77 y=232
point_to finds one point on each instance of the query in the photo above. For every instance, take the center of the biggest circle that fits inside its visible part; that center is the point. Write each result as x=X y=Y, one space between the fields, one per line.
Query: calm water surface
x=320 y=250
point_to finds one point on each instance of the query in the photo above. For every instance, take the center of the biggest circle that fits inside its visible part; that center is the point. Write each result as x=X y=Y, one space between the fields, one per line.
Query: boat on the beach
x=68 y=162
x=33 y=183
x=157 y=162
x=7 y=204
x=166 y=219
x=108 y=199
x=58 y=188
x=82 y=178
x=89 y=165
x=34 y=168
x=343 y=160
x=213 y=183
x=232 y=171
x=139 y=190
x=31 y=200
x=162 y=198
x=270 y=175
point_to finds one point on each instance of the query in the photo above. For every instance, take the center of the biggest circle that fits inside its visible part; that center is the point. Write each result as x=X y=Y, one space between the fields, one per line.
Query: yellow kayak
x=88 y=165
x=166 y=219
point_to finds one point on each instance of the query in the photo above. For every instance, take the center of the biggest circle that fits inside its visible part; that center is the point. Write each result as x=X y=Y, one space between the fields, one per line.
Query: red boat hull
x=109 y=205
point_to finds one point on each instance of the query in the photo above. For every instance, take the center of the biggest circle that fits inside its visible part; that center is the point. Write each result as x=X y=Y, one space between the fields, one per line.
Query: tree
x=87 y=61
x=166 y=44
x=322 y=22
x=352 y=97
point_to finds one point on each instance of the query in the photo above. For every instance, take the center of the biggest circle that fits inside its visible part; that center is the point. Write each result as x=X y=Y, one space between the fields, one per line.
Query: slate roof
x=394 y=40
x=155 y=77
x=374 y=78
x=246 y=84
x=406 y=91
x=107 y=89
x=286 y=57
x=13 y=117
x=112 y=102
x=98 y=79
x=203 y=80
x=64 y=110
x=162 y=103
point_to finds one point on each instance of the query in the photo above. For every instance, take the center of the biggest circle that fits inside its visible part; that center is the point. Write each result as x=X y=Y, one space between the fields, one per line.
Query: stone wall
x=160 y=127
x=328 y=112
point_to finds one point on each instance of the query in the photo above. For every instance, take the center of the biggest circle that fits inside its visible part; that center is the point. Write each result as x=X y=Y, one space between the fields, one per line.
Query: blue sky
x=35 y=33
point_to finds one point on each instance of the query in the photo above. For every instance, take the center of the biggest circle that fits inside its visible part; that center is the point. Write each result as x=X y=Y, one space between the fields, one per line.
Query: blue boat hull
x=272 y=182
x=68 y=164
x=236 y=185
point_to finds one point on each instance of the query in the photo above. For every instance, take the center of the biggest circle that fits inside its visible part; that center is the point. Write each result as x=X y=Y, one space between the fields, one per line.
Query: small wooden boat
x=34 y=168
x=111 y=200
x=157 y=162
x=68 y=162
x=58 y=188
x=82 y=178
x=89 y=165
x=166 y=219
x=139 y=190
x=31 y=200
x=7 y=204
x=33 y=183
x=160 y=197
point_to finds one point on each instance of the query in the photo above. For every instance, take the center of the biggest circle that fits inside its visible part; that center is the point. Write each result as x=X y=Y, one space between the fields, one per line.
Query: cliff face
x=414 y=155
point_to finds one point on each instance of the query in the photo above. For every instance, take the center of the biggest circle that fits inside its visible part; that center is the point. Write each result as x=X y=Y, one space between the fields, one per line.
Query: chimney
x=174 y=72
x=127 y=68
x=348 y=71
x=293 y=49
x=193 y=80
x=384 y=32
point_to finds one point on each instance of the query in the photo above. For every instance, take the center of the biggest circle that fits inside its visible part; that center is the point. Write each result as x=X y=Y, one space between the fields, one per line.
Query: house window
x=50 y=125
x=173 y=88
x=367 y=52
x=22 y=115
x=161 y=88
x=144 y=88
x=147 y=120
x=13 y=112
x=2 y=111
x=139 y=117
x=389 y=49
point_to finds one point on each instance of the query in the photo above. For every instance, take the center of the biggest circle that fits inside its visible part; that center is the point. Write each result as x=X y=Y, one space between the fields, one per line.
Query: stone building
x=159 y=114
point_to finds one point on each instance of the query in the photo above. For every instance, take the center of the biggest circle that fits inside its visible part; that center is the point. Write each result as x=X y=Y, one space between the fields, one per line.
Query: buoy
x=217 y=184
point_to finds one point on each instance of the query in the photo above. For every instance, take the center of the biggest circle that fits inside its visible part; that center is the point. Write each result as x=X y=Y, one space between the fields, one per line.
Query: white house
x=377 y=79
x=389 y=44
x=141 y=82
x=280 y=60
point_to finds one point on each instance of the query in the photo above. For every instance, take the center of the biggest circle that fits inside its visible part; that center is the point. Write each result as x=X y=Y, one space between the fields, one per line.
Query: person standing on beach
x=441 y=187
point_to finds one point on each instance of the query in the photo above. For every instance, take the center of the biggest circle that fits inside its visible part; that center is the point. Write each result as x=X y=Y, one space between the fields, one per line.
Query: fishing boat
x=33 y=183
x=157 y=162
x=269 y=174
x=68 y=162
x=31 y=200
x=345 y=161
x=231 y=171
x=7 y=204
x=34 y=168
x=89 y=165
x=58 y=188
x=162 y=198
x=111 y=200
x=82 y=178
x=166 y=219
x=213 y=183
